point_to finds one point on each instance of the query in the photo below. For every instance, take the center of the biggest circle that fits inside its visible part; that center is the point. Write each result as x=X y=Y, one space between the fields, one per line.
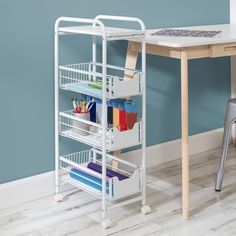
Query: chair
x=230 y=118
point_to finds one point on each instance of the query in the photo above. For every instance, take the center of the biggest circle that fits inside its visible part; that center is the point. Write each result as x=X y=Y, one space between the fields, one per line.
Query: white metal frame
x=97 y=22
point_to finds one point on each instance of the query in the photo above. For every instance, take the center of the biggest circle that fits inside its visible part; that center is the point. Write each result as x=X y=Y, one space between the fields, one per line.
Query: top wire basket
x=86 y=78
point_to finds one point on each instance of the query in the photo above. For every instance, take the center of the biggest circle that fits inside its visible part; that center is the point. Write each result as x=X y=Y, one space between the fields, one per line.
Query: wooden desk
x=186 y=48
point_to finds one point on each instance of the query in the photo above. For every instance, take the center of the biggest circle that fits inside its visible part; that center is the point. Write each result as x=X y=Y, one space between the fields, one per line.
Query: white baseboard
x=26 y=189
x=171 y=150
x=39 y=186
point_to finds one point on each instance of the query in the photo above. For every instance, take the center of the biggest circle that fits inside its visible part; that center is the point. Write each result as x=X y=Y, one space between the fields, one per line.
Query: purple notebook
x=88 y=171
x=110 y=173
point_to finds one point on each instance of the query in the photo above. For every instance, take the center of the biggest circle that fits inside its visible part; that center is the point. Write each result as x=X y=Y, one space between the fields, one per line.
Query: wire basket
x=86 y=78
x=115 y=139
x=76 y=172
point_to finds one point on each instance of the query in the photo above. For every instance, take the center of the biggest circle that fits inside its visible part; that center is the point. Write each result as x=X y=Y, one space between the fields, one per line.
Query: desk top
x=227 y=35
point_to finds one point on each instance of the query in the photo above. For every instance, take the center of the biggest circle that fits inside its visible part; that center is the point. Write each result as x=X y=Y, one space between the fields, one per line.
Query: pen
x=74 y=103
x=87 y=105
x=77 y=103
x=90 y=106
x=83 y=105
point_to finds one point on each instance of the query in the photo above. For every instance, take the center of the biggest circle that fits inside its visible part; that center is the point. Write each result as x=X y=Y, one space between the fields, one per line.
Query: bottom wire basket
x=84 y=170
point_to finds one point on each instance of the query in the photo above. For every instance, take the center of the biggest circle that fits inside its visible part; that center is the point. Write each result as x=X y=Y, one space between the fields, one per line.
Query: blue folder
x=89 y=180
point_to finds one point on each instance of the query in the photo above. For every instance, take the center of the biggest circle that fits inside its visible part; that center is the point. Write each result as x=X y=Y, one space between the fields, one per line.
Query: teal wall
x=26 y=74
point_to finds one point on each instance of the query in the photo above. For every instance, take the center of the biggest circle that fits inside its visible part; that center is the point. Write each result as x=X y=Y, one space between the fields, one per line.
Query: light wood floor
x=213 y=213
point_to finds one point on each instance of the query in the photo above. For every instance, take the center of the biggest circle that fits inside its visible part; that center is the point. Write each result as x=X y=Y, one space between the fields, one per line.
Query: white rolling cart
x=102 y=138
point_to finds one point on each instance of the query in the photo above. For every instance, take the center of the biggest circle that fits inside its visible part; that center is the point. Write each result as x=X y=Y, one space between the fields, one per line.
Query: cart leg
x=185 y=142
x=145 y=208
x=106 y=223
x=58 y=197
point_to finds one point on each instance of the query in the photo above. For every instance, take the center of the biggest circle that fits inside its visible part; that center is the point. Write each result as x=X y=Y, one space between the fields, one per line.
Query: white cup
x=81 y=127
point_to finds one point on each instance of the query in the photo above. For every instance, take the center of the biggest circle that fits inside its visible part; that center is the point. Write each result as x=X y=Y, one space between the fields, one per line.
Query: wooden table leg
x=130 y=63
x=185 y=141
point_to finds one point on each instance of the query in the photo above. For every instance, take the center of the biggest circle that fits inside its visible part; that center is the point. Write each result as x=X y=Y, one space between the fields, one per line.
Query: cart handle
x=121 y=18
x=80 y=20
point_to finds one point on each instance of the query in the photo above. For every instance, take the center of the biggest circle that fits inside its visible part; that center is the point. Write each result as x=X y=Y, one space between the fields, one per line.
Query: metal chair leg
x=230 y=118
x=224 y=153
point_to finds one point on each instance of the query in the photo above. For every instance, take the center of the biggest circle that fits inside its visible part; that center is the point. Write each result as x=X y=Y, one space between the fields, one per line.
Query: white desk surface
x=228 y=35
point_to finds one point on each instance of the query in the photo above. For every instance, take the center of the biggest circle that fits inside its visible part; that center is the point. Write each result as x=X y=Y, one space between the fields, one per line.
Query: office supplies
x=87 y=105
x=77 y=109
x=87 y=171
x=83 y=105
x=74 y=103
x=122 y=117
x=97 y=84
x=77 y=103
x=92 y=111
x=110 y=106
x=131 y=113
x=88 y=179
x=116 y=114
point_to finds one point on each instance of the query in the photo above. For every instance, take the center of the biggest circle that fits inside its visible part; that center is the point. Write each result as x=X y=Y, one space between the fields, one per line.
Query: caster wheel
x=58 y=197
x=145 y=209
x=106 y=224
